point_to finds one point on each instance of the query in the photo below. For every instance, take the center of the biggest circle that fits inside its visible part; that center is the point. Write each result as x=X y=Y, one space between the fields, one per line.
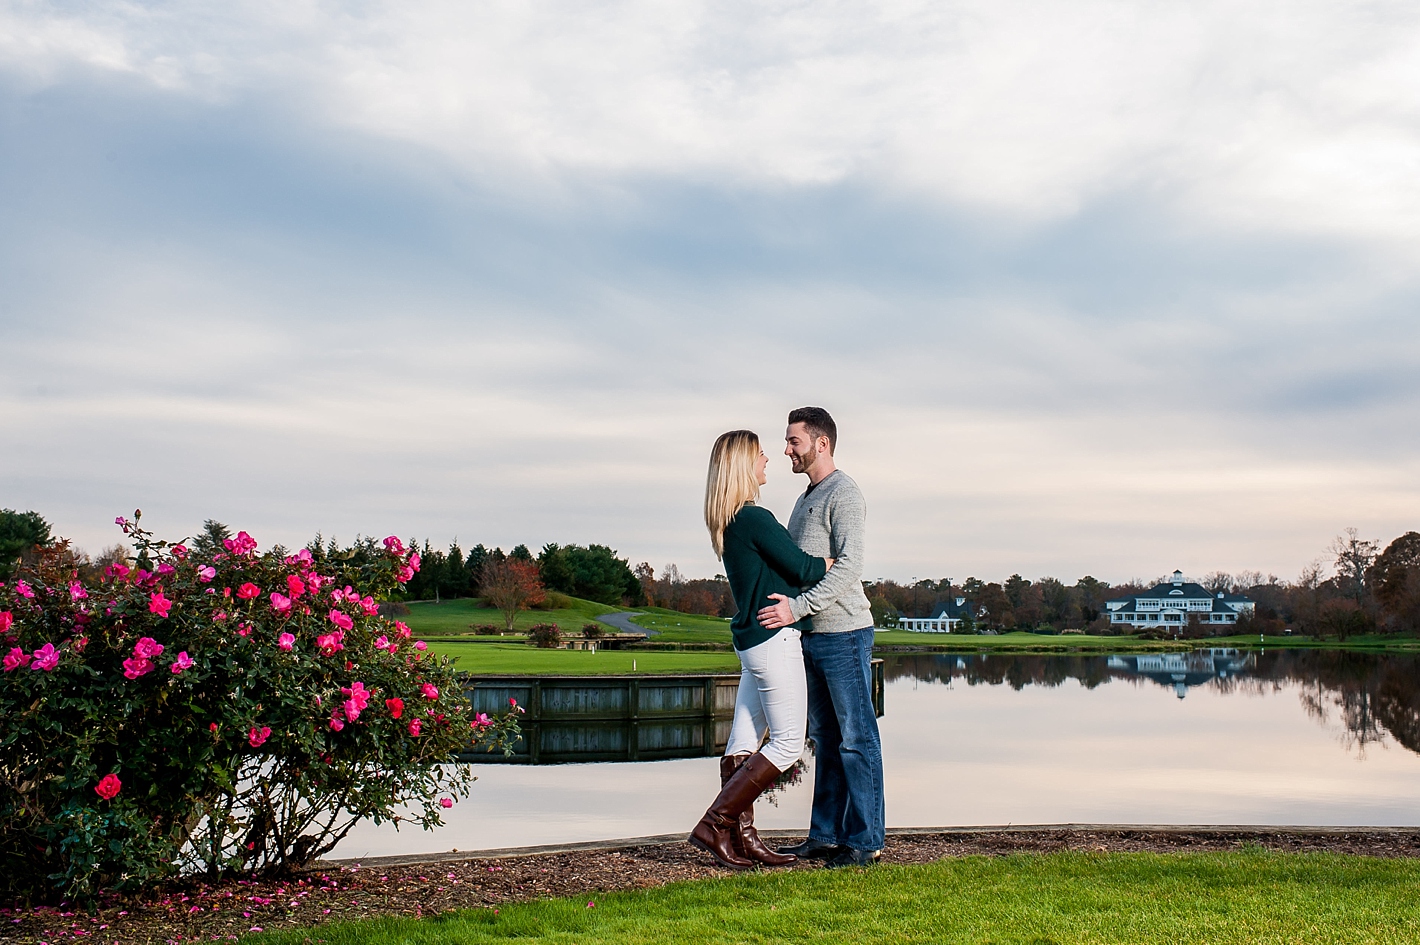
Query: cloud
x=1091 y=288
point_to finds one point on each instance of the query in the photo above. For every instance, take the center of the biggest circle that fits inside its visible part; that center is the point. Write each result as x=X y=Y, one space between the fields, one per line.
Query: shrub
x=545 y=635
x=593 y=631
x=486 y=629
x=238 y=712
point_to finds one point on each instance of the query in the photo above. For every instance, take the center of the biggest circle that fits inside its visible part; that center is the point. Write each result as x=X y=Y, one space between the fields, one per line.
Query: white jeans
x=773 y=695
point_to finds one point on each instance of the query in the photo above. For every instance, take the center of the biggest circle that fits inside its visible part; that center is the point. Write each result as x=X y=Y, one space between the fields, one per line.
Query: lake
x=1314 y=737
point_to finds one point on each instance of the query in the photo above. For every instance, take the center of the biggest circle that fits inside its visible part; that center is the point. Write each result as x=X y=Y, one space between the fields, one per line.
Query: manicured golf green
x=456 y=617
x=1241 y=898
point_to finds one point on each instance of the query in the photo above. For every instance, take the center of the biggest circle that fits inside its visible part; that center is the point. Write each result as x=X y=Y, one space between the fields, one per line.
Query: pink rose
x=404 y=574
x=45 y=658
x=23 y=589
x=414 y=727
x=241 y=545
x=147 y=648
x=136 y=666
x=430 y=691
x=336 y=723
x=164 y=569
x=108 y=787
x=369 y=606
x=286 y=641
x=295 y=585
x=206 y=573
x=15 y=659
x=446 y=802
x=6 y=619
x=481 y=720
x=258 y=736
x=404 y=630
x=414 y=561
x=382 y=642
x=395 y=706
x=248 y=590
x=356 y=698
x=159 y=604
x=76 y=591
x=394 y=545
x=179 y=551
x=329 y=643
x=342 y=621
x=280 y=603
x=182 y=662
x=420 y=645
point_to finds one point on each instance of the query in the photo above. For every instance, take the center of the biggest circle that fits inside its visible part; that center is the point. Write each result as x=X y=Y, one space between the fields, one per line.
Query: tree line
x=1355 y=587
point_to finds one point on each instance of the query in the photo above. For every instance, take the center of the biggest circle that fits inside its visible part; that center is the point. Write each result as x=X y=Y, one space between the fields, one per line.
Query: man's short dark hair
x=818 y=423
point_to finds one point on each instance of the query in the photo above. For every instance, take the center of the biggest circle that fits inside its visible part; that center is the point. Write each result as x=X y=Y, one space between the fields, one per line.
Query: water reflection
x=1282 y=737
x=1370 y=695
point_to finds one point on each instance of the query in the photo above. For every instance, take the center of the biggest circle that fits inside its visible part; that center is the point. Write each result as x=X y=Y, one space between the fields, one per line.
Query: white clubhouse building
x=1172 y=604
x=947 y=618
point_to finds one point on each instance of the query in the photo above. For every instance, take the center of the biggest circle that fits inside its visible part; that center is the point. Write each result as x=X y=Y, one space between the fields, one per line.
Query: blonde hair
x=730 y=482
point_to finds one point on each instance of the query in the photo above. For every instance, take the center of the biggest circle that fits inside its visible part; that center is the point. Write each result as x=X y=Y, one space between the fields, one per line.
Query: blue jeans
x=848 y=754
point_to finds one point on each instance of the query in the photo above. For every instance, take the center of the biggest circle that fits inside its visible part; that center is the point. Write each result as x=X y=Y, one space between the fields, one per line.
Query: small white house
x=947 y=618
x=1172 y=604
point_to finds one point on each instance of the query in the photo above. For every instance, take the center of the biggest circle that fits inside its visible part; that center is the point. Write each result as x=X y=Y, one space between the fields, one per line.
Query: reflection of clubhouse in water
x=1371 y=696
x=1182 y=671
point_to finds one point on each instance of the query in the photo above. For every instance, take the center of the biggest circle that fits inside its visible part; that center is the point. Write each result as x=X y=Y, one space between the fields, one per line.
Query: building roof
x=953 y=610
x=1179 y=589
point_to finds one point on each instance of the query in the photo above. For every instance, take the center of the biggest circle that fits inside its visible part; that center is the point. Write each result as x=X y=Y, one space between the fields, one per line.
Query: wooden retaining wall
x=616 y=718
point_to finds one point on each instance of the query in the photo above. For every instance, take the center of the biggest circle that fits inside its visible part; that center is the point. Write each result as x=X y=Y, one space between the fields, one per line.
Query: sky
x=1091 y=288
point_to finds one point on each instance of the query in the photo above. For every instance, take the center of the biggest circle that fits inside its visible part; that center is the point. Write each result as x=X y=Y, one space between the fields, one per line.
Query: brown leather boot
x=748 y=844
x=716 y=832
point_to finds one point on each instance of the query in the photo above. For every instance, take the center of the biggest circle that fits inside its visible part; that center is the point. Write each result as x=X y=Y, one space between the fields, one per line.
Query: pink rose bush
x=287 y=712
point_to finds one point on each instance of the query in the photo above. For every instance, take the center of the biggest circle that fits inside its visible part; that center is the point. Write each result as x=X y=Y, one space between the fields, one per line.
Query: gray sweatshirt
x=828 y=522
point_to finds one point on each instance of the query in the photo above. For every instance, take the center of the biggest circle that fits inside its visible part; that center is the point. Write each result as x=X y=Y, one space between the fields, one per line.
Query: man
x=846 y=827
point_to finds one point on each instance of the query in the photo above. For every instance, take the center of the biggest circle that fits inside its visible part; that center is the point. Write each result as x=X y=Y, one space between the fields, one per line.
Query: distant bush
x=593 y=631
x=545 y=635
x=554 y=600
x=486 y=629
x=226 y=713
x=393 y=608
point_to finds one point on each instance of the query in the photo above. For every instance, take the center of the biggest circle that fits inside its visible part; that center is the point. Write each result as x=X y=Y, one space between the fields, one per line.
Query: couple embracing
x=804 y=636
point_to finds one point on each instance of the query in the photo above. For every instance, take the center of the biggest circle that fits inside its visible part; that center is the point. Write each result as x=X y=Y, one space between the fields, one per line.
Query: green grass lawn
x=454 y=617
x=521 y=659
x=1241 y=898
x=675 y=627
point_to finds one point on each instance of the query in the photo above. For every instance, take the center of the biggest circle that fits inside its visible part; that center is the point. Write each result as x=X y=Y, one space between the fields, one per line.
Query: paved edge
x=600 y=846
x=621 y=621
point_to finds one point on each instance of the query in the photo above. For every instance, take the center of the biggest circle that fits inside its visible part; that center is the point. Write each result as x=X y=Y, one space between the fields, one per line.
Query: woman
x=760 y=559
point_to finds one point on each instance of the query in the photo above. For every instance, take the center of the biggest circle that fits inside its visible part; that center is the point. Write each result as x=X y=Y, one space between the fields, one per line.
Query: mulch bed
x=203 y=913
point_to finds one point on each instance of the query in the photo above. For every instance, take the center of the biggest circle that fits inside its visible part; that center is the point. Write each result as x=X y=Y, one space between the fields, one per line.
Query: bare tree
x=1353 y=556
x=1217 y=581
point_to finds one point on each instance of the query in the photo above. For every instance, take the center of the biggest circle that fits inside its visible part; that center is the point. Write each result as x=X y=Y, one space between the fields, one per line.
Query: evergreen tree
x=209 y=540
x=19 y=532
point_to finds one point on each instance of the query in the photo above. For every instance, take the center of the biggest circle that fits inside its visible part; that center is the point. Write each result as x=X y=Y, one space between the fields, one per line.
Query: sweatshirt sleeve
x=847 y=514
x=773 y=543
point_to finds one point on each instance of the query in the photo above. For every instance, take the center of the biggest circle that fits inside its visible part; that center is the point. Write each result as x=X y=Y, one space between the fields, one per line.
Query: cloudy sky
x=1097 y=287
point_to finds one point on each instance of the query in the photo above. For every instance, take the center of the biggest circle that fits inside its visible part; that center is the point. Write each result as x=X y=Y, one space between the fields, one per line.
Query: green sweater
x=761 y=559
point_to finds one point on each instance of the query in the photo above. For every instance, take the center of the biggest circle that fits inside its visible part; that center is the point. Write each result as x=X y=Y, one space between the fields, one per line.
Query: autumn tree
x=510 y=585
x=1394 y=578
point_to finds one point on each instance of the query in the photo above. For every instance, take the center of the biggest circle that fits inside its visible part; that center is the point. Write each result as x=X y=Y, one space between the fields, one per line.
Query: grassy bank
x=1022 y=642
x=1054 y=899
x=456 y=617
x=522 y=659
